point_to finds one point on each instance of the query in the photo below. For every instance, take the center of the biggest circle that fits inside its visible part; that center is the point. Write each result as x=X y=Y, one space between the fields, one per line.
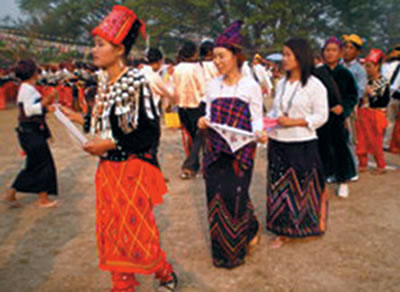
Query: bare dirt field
x=54 y=250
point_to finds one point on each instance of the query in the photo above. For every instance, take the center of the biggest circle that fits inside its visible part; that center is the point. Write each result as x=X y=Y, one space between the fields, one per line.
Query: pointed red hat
x=375 y=56
x=117 y=24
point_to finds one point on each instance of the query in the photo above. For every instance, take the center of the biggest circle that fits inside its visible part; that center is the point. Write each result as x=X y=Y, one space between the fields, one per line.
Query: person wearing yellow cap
x=352 y=49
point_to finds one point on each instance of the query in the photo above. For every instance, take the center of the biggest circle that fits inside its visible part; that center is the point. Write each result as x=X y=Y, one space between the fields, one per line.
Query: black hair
x=187 y=51
x=304 y=56
x=137 y=62
x=25 y=69
x=154 y=55
x=205 y=48
x=131 y=37
x=168 y=61
x=357 y=46
x=318 y=56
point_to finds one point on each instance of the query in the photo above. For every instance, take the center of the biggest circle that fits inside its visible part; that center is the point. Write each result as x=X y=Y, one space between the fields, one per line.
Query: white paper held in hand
x=72 y=130
x=236 y=138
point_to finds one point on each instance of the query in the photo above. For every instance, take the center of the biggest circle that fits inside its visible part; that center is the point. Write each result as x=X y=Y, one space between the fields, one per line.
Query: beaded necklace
x=122 y=96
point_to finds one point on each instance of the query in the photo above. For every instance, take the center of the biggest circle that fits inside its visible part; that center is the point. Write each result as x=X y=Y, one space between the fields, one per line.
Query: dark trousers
x=334 y=148
x=189 y=118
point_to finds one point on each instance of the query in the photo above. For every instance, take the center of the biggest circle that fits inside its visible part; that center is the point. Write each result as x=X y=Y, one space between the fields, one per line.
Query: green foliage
x=268 y=23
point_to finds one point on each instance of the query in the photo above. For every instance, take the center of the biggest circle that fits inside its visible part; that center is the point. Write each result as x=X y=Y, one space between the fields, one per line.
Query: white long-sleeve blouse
x=309 y=102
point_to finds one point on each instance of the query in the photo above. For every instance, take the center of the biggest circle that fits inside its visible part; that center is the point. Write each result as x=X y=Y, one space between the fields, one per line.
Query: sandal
x=187 y=174
x=169 y=286
x=379 y=171
x=278 y=241
x=51 y=204
x=253 y=243
x=11 y=204
x=362 y=169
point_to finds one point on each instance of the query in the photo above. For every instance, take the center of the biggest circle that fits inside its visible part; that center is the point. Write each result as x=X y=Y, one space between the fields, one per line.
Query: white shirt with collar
x=309 y=102
x=159 y=87
x=189 y=83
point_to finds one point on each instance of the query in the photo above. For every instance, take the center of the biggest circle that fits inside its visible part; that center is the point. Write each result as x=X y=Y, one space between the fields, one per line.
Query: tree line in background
x=268 y=23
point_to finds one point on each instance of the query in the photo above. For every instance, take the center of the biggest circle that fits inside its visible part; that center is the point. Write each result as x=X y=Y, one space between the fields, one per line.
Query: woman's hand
x=369 y=90
x=72 y=115
x=261 y=137
x=170 y=70
x=284 y=121
x=98 y=147
x=48 y=99
x=337 y=110
x=51 y=108
x=203 y=123
x=287 y=122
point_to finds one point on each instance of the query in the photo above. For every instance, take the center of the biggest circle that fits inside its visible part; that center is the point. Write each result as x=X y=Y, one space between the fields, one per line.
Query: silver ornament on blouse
x=131 y=89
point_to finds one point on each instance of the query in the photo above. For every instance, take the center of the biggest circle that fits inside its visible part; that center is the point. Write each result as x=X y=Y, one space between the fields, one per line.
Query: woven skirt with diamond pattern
x=128 y=239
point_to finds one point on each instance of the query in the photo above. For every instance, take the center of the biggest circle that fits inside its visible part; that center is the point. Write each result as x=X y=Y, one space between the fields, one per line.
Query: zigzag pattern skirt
x=230 y=211
x=297 y=198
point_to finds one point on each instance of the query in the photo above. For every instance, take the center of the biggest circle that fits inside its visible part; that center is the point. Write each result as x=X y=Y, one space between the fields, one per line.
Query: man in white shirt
x=162 y=91
x=392 y=72
x=206 y=61
x=259 y=73
x=188 y=79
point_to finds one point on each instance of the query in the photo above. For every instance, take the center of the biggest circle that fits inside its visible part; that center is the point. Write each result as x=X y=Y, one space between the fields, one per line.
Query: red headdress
x=117 y=25
x=375 y=56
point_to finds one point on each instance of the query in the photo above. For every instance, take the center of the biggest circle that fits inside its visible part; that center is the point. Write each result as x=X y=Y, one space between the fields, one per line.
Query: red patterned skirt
x=127 y=236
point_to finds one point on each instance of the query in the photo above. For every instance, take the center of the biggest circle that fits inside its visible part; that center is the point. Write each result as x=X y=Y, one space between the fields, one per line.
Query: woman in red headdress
x=129 y=182
x=371 y=121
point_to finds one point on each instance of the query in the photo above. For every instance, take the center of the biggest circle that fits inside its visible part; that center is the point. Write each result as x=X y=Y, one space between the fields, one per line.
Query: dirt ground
x=55 y=250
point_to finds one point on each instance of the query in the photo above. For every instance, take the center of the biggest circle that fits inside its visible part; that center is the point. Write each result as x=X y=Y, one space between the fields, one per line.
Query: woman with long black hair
x=296 y=193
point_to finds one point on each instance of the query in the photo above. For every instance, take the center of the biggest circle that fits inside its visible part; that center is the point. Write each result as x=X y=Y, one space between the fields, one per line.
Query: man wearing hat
x=352 y=50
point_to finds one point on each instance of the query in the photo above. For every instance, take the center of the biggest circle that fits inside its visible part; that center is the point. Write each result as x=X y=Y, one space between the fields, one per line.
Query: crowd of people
x=330 y=110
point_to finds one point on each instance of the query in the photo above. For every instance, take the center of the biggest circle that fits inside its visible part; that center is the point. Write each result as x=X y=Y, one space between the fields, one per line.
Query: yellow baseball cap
x=257 y=57
x=354 y=39
x=394 y=53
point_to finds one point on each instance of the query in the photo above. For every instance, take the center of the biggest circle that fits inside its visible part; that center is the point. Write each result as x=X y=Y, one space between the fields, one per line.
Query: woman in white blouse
x=296 y=193
x=39 y=174
x=233 y=123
